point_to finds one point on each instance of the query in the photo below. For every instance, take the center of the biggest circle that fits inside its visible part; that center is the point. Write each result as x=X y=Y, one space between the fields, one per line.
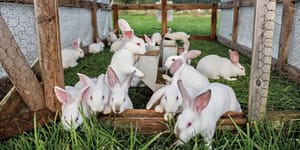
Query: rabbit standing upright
x=96 y=47
x=214 y=66
x=73 y=102
x=200 y=115
x=71 y=55
x=123 y=59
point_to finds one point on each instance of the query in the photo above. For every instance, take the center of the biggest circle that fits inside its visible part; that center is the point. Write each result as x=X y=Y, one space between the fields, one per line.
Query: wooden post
x=19 y=72
x=235 y=26
x=164 y=17
x=115 y=16
x=263 y=29
x=94 y=20
x=286 y=28
x=47 y=24
x=213 y=28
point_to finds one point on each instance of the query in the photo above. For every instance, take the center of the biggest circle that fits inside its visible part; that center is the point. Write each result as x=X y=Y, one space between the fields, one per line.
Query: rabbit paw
x=230 y=79
x=107 y=110
x=159 y=109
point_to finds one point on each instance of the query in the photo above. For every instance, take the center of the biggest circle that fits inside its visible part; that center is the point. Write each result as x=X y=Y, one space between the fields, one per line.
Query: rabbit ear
x=147 y=39
x=156 y=96
x=98 y=40
x=192 y=54
x=84 y=79
x=126 y=29
x=78 y=42
x=202 y=101
x=234 y=56
x=62 y=95
x=75 y=45
x=127 y=81
x=180 y=50
x=84 y=93
x=112 y=77
x=169 y=30
x=128 y=34
x=175 y=65
x=186 y=45
x=186 y=98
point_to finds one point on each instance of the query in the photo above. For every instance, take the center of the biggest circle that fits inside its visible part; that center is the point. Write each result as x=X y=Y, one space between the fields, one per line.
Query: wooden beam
x=213 y=25
x=115 y=9
x=168 y=7
x=47 y=24
x=94 y=20
x=235 y=26
x=263 y=31
x=19 y=72
x=164 y=18
x=285 y=33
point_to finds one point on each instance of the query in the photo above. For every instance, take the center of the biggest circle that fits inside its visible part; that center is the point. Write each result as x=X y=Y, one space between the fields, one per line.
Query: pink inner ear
x=202 y=101
x=128 y=34
x=234 y=57
x=83 y=79
x=112 y=77
x=84 y=93
x=180 y=50
x=61 y=95
x=75 y=45
x=192 y=54
x=98 y=40
x=175 y=65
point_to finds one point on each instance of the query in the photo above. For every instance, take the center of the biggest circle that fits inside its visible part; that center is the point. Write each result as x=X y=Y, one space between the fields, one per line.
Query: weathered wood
x=285 y=33
x=164 y=16
x=261 y=58
x=94 y=20
x=242 y=3
x=47 y=23
x=15 y=64
x=168 y=7
x=115 y=14
x=235 y=26
x=213 y=25
x=151 y=122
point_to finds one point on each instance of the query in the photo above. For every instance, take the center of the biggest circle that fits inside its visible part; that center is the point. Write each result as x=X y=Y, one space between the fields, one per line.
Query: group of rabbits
x=188 y=93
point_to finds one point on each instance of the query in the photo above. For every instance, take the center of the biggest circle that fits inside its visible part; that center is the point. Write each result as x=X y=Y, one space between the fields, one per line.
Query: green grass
x=283 y=95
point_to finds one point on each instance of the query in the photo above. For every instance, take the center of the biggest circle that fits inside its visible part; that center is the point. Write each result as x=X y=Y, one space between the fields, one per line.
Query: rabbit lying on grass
x=71 y=55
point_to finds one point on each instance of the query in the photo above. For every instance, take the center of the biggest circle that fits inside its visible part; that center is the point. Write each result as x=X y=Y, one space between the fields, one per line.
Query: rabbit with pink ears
x=71 y=55
x=214 y=66
x=200 y=115
x=74 y=106
x=96 y=47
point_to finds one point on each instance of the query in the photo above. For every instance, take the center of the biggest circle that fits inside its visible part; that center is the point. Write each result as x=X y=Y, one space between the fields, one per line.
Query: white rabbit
x=191 y=78
x=214 y=66
x=112 y=37
x=119 y=100
x=200 y=115
x=156 y=38
x=96 y=47
x=123 y=60
x=99 y=92
x=71 y=55
x=73 y=102
x=177 y=36
x=150 y=44
x=169 y=100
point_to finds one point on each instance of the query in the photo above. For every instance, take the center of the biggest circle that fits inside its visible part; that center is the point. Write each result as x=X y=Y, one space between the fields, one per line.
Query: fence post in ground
x=47 y=24
x=164 y=17
x=263 y=31
x=213 y=28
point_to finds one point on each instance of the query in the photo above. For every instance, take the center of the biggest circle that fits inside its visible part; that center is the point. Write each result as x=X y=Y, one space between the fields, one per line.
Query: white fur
x=112 y=37
x=96 y=47
x=156 y=38
x=201 y=115
x=72 y=99
x=214 y=67
x=177 y=36
x=99 y=92
x=71 y=55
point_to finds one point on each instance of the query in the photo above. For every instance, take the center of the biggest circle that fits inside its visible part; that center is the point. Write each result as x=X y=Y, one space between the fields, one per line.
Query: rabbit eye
x=189 y=124
x=177 y=98
x=123 y=99
x=76 y=119
x=173 y=59
x=242 y=68
x=103 y=97
x=91 y=97
x=138 y=44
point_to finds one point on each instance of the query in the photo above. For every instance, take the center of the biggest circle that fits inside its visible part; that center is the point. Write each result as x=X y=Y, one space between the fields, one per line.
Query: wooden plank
x=94 y=20
x=242 y=3
x=47 y=24
x=285 y=33
x=115 y=14
x=213 y=25
x=261 y=58
x=235 y=26
x=19 y=72
x=168 y=7
x=151 y=122
x=164 y=17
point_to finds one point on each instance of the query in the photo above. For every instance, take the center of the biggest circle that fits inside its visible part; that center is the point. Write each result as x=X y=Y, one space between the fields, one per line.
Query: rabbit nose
x=117 y=108
x=177 y=134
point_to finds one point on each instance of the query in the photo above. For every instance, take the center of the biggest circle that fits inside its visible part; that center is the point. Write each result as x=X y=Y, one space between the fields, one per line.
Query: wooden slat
x=261 y=58
x=168 y=7
x=151 y=122
x=213 y=25
x=164 y=17
x=47 y=23
x=94 y=20
x=18 y=69
x=285 y=33
x=242 y=3
x=115 y=14
x=235 y=26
